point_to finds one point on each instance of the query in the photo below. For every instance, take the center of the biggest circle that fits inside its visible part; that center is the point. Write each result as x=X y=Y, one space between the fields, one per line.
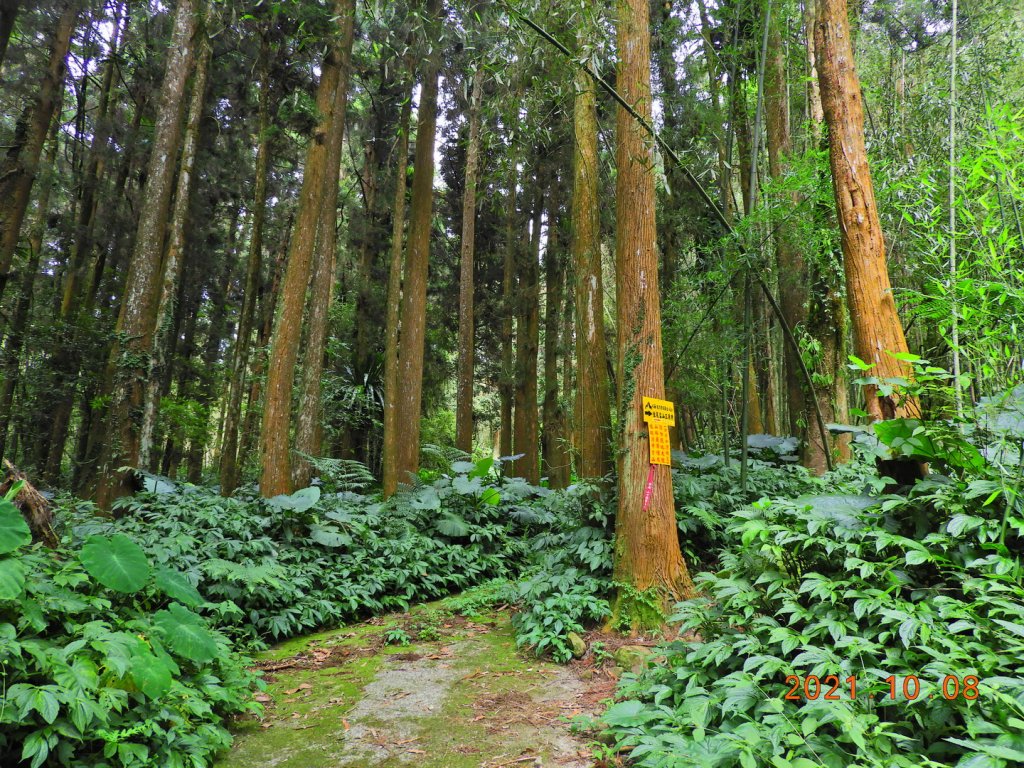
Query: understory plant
x=108 y=661
x=911 y=606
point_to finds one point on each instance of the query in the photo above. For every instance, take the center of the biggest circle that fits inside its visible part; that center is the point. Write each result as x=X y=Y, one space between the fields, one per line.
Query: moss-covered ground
x=456 y=695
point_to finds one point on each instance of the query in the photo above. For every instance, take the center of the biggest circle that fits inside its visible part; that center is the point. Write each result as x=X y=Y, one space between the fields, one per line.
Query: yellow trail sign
x=661 y=451
x=659 y=411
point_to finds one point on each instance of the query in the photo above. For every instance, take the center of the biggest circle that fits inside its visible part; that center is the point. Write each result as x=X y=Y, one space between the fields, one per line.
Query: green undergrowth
x=124 y=646
x=569 y=587
x=105 y=660
x=923 y=590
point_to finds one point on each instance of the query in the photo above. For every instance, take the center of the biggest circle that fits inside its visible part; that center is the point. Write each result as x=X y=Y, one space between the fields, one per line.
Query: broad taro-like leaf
x=466 y=486
x=483 y=467
x=628 y=714
x=329 y=536
x=299 y=501
x=116 y=562
x=426 y=498
x=186 y=633
x=176 y=586
x=452 y=525
x=14 y=531
x=12 y=579
x=150 y=674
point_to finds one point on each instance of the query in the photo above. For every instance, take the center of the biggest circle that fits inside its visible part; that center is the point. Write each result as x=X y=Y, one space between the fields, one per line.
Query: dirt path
x=457 y=695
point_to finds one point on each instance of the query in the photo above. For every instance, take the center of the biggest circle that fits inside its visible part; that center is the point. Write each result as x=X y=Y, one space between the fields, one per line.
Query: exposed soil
x=462 y=698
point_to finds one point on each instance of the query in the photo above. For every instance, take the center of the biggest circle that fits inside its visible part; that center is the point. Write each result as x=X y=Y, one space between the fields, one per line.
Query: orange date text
x=832 y=688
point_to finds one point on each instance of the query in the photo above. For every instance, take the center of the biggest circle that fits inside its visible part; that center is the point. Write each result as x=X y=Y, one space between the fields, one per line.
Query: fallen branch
x=32 y=505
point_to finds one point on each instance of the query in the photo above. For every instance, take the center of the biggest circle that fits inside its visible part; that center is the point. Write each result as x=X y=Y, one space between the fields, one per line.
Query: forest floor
x=457 y=695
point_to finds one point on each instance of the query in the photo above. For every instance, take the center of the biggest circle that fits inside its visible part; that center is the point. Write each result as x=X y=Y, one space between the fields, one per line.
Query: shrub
x=106 y=661
x=833 y=585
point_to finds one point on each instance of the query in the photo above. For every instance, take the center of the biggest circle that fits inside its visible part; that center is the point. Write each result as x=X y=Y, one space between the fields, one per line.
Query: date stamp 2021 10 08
x=831 y=688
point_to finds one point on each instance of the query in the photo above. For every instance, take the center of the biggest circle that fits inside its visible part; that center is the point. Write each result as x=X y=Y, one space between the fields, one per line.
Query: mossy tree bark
x=308 y=427
x=15 y=343
x=525 y=431
x=159 y=358
x=19 y=167
x=276 y=471
x=464 y=391
x=250 y=292
x=506 y=385
x=648 y=563
x=826 y=311
x=790 y=261
x=594 y=422
x=136 y=323
x=412 y=326
x=394 y=303
x=557 y=461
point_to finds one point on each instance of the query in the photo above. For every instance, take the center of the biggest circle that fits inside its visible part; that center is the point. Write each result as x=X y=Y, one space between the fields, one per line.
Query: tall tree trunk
x=790 y=261
x=826 y=313
x=567 y=351
x=412 y=326
x=65 y=363
x=815 y=114
x=275 y=454
x=203 y=387
x=135 y=323
x=19 y=167
x=15 y=343
x=464 y=395
x=525 y=432
x=172 y=263
x=250 y=291
x=94 y=168
x=876 y=323
x=594 y=423
x=749 y=193
x=8 y=14
x=506 y=385
x=270 y=294
x=391 y=382
x=556 y=454
x=647 y=554
x=308 y=426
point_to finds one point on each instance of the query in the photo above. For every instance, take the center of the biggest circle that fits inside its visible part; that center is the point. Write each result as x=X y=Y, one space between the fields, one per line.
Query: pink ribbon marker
x=649 y=490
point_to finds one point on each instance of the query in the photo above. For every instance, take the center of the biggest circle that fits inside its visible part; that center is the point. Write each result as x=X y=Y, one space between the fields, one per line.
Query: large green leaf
x=452 y=525
x=176 y=586
x=329 y=536
x=150 y=674
x=14 y=530
x=116 y=562
x=186 y=633
x=426 y=498
x=299 y=501
x=12 y=579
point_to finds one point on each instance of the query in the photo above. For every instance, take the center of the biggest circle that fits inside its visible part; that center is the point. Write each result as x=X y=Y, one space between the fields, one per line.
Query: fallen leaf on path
x=262 y=697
